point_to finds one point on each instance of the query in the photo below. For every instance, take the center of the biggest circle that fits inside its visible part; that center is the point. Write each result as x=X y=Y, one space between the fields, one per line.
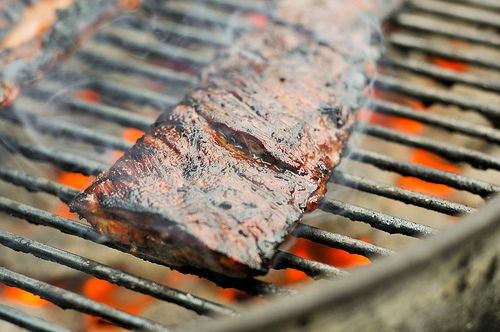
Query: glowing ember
x=22 y=297
x=411 y=127
x=314 y=251
x=76 y=181
x=89 y=95
x=392 y=122
x=404 y=125
x=258 y=20
x=335 y=257
x=130 y=135
x=425 y=158
x=295 y=276
x=231 y=295
x=114 y=296
x=451 y=65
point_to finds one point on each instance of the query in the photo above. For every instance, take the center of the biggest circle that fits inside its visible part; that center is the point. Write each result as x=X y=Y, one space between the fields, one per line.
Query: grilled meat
x=219 y=180
x=34 y=37
x=181 y=195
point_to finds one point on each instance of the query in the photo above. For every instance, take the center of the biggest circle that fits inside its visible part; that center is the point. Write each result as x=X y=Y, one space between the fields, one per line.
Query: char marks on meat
x=219 y=180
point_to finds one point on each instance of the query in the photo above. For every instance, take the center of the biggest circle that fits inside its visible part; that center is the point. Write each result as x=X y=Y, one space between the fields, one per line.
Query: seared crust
x=219 y=180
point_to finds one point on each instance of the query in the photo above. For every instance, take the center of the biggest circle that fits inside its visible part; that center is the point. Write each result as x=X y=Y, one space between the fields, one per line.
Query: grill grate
x=166 y=53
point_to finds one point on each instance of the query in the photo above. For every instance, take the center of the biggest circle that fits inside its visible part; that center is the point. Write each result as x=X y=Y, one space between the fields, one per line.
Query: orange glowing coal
x=231 y=295
x=392 y=122
x=113 y=296
x=425 y=158
x=259 y=20
x=22 y=297
x=417 y=156
x=457 y=66
x=75 y=181
x=305 y=249
x=314 y=251
x=89 y=95
x=80 y=181
x=131 y=135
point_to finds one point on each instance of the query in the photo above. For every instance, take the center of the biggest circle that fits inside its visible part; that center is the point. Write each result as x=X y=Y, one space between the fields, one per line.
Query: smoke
x=353 y=29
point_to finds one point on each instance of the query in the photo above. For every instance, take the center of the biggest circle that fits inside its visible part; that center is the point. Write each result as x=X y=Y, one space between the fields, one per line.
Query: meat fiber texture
x=219 y=181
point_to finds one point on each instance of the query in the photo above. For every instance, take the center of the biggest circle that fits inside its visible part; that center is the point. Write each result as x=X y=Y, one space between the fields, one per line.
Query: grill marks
x=246 y=101
x=195 y=204
x=219 y=180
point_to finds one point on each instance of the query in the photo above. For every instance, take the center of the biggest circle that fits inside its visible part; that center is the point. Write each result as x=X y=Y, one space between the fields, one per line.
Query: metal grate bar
x=431 y=47
x=488 y=134
x=382 y=221
x=437 y=95
x=134 y=94
x=402 y=195
x=316 y=270
x=66 y=194
x=183 y=10
x=451 y=152
x=65 y=160
x=112 y=58
x=447 y=207
x=424 y=173
x=492 y=4
x=58 y=128
x=105 y=112
x=111 y=88
x=12 y=14
x=134 y=41
x=69 y=300
x=436 y=72
x=436 y=25
x=164 y=30
x=28 y=322
x=38 y=184
x=101 y=271
x=462 y=12
x=338 y=241
x=239 y=5
x=71 y=227
x=72 y=162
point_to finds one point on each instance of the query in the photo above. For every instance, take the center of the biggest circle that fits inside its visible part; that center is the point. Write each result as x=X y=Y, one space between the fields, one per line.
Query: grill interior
x=144 y=62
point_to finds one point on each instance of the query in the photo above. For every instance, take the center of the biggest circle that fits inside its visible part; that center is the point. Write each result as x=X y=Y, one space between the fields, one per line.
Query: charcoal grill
x=166 y=52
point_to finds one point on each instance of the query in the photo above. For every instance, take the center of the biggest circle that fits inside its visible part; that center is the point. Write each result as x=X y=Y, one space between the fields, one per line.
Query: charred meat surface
x=182 y=196
x=35 y=34
x=219 y=181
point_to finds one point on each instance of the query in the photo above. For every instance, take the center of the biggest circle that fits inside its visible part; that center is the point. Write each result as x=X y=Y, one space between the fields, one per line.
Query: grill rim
x=33 y=323
x=365 y=281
